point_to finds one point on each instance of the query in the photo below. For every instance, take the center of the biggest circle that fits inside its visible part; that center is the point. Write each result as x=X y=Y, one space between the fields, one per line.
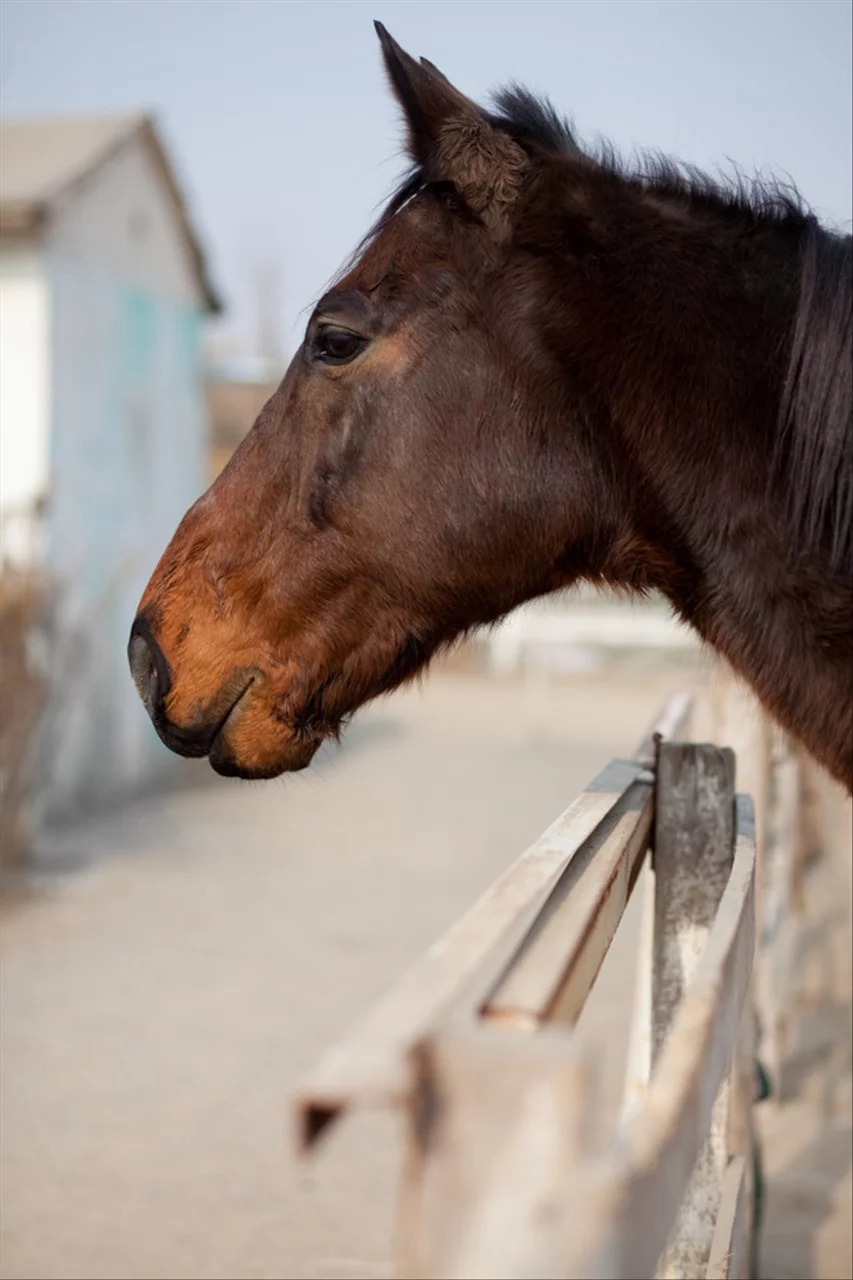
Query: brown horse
x=539 y=368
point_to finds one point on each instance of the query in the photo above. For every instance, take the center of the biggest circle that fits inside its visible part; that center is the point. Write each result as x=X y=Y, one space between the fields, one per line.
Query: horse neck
x=691 y=372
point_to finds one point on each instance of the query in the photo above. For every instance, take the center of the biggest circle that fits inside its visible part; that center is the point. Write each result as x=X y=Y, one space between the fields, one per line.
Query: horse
x=542 y=366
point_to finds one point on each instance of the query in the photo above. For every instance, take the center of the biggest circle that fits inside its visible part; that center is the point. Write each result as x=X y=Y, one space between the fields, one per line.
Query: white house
x=103 y=294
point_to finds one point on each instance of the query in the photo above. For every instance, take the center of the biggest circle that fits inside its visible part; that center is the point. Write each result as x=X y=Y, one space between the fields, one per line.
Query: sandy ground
x=177 y=965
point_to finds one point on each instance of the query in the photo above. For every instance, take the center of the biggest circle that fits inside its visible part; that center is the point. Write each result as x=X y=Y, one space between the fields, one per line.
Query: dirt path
x=158 y=1001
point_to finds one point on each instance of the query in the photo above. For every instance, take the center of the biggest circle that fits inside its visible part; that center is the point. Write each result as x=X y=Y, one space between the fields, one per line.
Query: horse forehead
x=413 y=239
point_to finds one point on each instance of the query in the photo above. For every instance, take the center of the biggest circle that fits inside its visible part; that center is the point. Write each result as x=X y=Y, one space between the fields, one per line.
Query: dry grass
x=23 y=692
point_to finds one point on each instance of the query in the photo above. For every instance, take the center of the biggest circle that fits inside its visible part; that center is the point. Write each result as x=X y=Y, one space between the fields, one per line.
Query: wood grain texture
x=370 y=1065
x=694 y=846
x=728 y=1258
x=553 y=973
x=621 y=1223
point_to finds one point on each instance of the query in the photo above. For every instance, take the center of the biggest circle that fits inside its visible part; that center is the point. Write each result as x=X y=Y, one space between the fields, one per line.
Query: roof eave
x=212 y=301
x=28 y=217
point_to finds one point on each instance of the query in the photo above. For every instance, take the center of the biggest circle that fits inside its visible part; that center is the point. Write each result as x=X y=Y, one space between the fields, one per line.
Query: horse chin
x=223 y=761
x=255 y=745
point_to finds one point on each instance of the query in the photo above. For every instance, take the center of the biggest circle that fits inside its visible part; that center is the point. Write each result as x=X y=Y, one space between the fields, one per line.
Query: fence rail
x=474 y=1043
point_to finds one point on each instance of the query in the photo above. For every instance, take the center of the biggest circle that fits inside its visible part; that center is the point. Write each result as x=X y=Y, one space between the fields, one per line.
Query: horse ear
x=451 y=139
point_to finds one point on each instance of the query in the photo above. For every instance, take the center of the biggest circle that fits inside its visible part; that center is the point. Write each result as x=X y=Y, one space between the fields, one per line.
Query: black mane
x=815 y=439
x=533 y=121
x=815 y=444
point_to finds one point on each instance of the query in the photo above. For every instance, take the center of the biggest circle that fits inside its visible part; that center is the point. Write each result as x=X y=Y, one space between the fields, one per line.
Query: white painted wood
x=122 y=217
x=120 y=220
x=102 y=421
x=25 y=386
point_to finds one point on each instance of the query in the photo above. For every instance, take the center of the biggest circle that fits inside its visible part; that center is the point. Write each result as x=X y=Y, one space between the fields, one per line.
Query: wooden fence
x=501 y=1179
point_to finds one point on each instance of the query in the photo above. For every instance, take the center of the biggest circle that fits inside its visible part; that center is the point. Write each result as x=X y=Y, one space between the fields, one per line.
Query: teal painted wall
x=129 y=455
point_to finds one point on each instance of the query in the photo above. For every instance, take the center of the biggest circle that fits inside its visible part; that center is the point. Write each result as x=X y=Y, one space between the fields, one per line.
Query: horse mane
x=816 y=421
x=814 y=444
x=533 y=120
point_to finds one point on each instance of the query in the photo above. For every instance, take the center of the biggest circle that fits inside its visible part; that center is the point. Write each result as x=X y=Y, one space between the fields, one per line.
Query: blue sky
x=287 y=140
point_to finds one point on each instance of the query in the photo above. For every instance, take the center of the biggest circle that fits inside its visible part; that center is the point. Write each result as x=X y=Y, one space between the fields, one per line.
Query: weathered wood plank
x=729 y=1259
x=474 y=1126
x=773 y=772
x=499 y=1125
x=679 y=714
x=639 y=1064
x=552 y=974
x=620 y=1224
x=741 y=1133
x=610 y=1217
x=370 y=1064
x=694 y=847
x=778 y=920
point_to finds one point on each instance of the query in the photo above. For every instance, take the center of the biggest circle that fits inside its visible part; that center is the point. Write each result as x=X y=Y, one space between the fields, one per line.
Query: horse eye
x=337 y=346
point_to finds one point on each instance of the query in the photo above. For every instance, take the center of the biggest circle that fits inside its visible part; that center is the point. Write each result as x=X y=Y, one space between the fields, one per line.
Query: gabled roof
x=43 y=158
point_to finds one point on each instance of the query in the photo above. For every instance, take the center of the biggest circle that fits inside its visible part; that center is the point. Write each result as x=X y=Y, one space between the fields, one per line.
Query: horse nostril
x=148 y=668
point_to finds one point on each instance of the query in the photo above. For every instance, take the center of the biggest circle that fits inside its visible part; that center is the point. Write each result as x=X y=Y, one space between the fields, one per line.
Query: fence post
x=498 y=1122
x=693 y=855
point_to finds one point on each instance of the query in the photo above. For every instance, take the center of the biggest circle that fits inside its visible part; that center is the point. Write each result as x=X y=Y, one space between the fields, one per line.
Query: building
x=103 y=434
x=237 y=390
